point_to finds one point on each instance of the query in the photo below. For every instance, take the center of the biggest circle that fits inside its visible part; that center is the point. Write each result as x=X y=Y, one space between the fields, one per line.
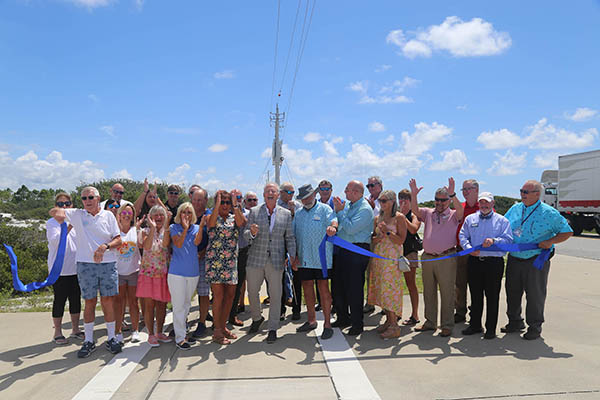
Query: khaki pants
x=443 y=274
x=254 y=279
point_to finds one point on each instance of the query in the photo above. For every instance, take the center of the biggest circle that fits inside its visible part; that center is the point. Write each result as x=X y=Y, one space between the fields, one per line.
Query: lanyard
x=523 y=214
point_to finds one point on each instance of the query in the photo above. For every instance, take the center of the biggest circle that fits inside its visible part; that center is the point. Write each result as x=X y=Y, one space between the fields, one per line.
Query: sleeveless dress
x=152 y=277
x=385 y=280
x=221 y=253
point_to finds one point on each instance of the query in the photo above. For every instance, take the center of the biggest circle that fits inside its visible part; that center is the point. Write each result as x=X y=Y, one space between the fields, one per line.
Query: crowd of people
x=145 y=254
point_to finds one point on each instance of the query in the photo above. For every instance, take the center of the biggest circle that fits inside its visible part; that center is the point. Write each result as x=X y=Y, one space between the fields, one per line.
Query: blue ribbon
x=54 y=271
x=511 y=247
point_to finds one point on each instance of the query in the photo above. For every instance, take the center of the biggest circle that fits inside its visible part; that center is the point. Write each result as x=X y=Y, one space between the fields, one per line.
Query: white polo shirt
x=93 y=231
x=53 y=236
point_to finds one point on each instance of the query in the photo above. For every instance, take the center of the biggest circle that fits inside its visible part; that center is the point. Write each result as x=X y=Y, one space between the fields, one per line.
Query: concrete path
x=563 y=365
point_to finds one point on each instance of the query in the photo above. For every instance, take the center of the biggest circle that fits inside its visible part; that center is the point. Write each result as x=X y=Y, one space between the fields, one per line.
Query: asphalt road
x=586 y=246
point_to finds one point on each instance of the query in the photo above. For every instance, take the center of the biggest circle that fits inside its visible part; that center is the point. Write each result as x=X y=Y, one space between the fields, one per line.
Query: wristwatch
x=107 y=246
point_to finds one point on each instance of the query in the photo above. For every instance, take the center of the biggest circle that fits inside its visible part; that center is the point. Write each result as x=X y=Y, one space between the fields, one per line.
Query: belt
x=443 y=253
x=483 y=258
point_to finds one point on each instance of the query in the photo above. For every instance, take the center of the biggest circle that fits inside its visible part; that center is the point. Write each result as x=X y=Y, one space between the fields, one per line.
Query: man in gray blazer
x=270 y=235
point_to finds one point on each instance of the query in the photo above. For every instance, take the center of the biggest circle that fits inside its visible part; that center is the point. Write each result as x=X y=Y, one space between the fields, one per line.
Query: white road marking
x=106 y=382
x=349 y=379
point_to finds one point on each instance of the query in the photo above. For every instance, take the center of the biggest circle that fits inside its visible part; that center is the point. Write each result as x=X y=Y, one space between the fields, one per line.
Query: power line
x=275 y=56
x=290 y=46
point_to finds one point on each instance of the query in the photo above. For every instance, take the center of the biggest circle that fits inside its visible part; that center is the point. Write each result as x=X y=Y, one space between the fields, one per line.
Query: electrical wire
x=275 y=56
x=287 y=60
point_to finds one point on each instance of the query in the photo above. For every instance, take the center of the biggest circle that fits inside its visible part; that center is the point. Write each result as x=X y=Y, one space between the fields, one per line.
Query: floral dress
x=152 y=277
x=221 y=253
x=385 y=279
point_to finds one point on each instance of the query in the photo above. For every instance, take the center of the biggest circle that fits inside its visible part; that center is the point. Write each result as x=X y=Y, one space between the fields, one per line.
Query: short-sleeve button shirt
x=310 y=227
x=542 y=222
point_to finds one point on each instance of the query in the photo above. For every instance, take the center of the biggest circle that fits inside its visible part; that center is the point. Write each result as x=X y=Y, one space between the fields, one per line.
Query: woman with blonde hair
x=128 y=264
x=385 y=280
x=184 y=269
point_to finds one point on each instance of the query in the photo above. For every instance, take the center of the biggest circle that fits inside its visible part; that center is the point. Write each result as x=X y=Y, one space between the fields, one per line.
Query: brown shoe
x=391 y=332
x=424 y=328
x=445 y=332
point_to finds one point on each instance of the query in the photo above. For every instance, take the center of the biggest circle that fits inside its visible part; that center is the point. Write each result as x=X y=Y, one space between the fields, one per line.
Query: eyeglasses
x=226 y=202
x=114 y=205
x=324 y=189
x=288 y=191
x=251 y=199
x=371 y=185
x=126 y=213
x=118 y=192
x=528 y=191
x=174 y=193
x=84 y=198
x=63 y=203
x=441 y=200
x=467 y=189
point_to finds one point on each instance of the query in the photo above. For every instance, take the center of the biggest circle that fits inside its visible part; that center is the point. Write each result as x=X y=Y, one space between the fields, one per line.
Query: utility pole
x=277 y=121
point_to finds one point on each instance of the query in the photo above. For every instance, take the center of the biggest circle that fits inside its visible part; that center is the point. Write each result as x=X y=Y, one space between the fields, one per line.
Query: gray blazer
x=267 y=244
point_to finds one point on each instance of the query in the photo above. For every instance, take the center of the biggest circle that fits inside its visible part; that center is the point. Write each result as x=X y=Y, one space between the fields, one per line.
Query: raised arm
x=460 y=212
x=139 y=202
x=414 y=204
x=240 y=220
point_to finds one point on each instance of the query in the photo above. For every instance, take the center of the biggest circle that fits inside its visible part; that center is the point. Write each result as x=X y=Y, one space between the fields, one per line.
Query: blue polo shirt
x=310 y=227
x=356 y=222
x=542 y=222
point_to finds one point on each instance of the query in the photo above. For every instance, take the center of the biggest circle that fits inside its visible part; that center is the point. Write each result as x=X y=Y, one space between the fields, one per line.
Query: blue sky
x=180 y=91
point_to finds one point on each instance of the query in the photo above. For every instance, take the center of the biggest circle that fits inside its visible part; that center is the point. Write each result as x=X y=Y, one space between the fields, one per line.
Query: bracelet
x=452 y=195
x=107 y=246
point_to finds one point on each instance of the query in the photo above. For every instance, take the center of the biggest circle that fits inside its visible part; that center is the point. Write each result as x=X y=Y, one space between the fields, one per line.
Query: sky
x=181 y=91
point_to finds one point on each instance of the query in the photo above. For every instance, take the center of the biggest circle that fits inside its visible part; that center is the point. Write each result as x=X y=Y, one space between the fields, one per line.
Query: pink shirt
x=440 y=230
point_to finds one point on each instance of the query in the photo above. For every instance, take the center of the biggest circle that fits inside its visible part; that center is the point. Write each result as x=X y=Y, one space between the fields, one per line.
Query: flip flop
x=60 y=340
x=78 y=335
x=411 y=321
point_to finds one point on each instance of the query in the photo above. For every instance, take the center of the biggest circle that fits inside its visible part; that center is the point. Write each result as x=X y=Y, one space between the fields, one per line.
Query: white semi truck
x=574 y=190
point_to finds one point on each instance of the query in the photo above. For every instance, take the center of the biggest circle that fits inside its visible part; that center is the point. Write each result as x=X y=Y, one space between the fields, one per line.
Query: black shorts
x=309 y=274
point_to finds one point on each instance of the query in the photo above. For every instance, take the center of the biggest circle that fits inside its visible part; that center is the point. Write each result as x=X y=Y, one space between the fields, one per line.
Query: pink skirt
x=153 y=288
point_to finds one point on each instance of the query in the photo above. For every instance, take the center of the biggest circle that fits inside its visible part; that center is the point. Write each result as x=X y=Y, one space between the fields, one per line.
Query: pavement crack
x=254 y=378
x=507 y=396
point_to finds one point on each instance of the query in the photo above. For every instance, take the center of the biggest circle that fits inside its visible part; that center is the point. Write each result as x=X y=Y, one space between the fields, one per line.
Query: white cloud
x=389 y=93
x=454 y=160
x=582 y=114
x=546 y=160
x=337 y=139
x=376 y=127
x=424 y=137
x=178 y=174
x=547 y=136
x=387 y=140
x=476 y=37
x=91 y=3
x=311 y=137
x=225 y=74
x=51 y=172
x=508 y=163
x=500 y=139
x=383 y=68
x=121 y=174
x=217 y=148
x=108 y=129
x=329 y=148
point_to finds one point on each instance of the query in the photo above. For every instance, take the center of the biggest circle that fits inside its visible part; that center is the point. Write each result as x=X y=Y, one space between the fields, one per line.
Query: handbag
x=403 y=264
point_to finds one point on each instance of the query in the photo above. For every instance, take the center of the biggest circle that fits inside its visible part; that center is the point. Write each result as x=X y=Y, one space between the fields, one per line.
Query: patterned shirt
x=356 y=222
x=534 y=224
x=309 y=227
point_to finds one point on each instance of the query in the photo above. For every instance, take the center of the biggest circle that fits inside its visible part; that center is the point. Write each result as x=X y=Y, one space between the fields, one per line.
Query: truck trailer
x=574 y=190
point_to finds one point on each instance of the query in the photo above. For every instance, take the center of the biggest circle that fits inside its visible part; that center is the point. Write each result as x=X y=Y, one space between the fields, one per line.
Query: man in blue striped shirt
x=485 y=268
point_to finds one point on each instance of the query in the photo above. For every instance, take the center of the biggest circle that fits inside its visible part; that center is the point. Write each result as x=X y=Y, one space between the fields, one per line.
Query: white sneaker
x=119 y=337
x=135 y=337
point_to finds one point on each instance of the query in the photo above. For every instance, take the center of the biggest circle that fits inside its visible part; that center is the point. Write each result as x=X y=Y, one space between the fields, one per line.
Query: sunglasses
x=84 y=198
x=383 y=201
x=528 y=191
x=114 y=205
x=63 y=203
x=288 y=191
x=126 y=213
x=324 y=189
x=251 y=199
x=467 y=189
x=238 y=197
x=226 y=202
x=441 y=200
x=118 y=192
x=174 y=193
x=371 y=185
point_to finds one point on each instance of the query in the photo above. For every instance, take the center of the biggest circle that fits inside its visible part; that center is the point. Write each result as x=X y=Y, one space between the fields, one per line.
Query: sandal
x=229 y=335
x=383 y=327
x=78 y=335
x=60 y=340
x=221 y=340
x=391 y=332
x=411 y=321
